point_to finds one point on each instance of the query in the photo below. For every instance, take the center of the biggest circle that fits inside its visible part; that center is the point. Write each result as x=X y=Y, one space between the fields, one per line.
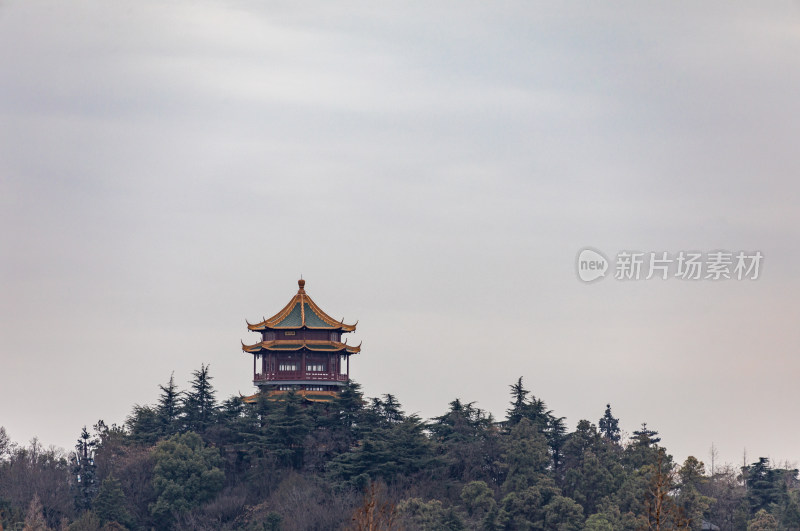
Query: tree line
x=190 y=461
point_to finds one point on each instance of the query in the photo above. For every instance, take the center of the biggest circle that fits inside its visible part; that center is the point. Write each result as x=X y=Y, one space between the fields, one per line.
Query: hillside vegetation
x=192 y=462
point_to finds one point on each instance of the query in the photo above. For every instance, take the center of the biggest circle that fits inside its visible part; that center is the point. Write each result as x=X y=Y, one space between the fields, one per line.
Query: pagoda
x=301 y=349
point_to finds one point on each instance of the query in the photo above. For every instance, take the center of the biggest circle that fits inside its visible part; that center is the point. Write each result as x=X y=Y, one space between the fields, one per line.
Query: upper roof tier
x=301 y=312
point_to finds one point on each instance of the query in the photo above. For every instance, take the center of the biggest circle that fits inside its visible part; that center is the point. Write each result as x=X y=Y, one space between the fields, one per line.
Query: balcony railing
x=299 y=375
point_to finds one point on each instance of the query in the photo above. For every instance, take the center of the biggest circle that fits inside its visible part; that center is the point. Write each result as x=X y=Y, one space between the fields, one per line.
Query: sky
x=169 y=169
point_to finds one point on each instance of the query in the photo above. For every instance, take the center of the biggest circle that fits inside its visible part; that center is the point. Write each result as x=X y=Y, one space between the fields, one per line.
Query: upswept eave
x=298 y=305
x=289 y=345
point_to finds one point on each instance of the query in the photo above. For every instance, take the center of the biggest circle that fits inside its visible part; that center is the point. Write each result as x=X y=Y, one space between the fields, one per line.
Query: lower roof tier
x=314 y=346
x=276 y=383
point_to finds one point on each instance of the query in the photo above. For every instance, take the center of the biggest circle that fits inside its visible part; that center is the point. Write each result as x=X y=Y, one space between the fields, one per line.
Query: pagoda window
x=287 y=367
x=314 y=388
x=269 y=336
x=334 y=336
x=285 y=387
x=315 y=367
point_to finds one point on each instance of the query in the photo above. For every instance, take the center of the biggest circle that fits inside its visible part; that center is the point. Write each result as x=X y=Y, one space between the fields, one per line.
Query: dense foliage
x=190 y=462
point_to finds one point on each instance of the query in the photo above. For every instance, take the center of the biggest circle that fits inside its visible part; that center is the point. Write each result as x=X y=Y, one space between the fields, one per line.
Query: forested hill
x=192 y=462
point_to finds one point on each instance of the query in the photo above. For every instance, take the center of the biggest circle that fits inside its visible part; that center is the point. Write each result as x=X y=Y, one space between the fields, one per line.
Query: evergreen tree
x=563 y=514
x=386 y=453
x=609 y=426
x=199 y=403
x=391 y=409
x=645 y=436
x=478 y=498
x=186 y=474
x=692 y=504
x=286 y=430
x=169 y=407
x=556 y=433
x=85 y=470
x=763 y=521
x=643 y=449
x=469 y=442
x=110 y=502
x=766 y=485
x=347 y=416
x=525 y=508
x=526 y=457
x=519 y=403
x=144 y=426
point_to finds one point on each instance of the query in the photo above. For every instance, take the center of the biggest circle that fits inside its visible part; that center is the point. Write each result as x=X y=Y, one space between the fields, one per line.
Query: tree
x=88 y=521
x=532 y=409
x=469 y=442
x=348 y=411
x=643 y=449
x=766 y=485
x=286 y=431
x=526 y=457
x=110 y=502
x=478 y=498
x=169 y=406
x=763 y=521
x=144 y=426
x=525 y=508
x=589 y=483
x=5 y=444
x=646 y=436
x=609 y=426
x=691 y=480
x=428 y=516
x=186 y=474
x=519 y=402
x=34 y=518
x=388 y=409
x=32 y=471
x=556 y=433
x=662 y=511
x=386 y=453
x=199 y=403
x=563 y=514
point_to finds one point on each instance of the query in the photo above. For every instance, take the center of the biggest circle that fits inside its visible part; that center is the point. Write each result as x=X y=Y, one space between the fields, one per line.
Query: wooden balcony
x=277 y=376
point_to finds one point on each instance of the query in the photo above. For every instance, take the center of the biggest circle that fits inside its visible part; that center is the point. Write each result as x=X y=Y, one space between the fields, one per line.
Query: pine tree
x=519 y=402
x=609 y=426
x=199 y=403
x=645 y=436
x=169 y=406
x=286 y=430
x=347 y=414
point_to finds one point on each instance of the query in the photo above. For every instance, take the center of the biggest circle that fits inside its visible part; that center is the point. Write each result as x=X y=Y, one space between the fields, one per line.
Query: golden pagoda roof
x=311 y=396
x=297 y=344
x=301 y=312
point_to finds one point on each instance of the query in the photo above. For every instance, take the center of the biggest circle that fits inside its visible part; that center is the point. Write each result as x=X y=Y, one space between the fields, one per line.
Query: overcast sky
x=168 y=169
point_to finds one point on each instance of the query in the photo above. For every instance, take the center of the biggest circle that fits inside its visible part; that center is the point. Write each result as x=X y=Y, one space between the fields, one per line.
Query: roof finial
x=302 y=284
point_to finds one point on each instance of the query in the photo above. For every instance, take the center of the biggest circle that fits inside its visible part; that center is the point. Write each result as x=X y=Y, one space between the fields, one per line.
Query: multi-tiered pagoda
x=301 y=349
